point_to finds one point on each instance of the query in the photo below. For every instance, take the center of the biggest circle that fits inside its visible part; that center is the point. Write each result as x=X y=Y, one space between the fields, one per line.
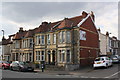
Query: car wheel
x=106 y=66
x=94 y=68
x=3 y=67
x=11 y=68
x=20 y=70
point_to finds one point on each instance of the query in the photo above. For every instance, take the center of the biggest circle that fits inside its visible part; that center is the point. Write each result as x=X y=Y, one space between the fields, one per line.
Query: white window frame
x=38 y=56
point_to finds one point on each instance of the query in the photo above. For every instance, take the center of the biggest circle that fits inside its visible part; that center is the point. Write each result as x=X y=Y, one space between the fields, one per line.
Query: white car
x=102 y=62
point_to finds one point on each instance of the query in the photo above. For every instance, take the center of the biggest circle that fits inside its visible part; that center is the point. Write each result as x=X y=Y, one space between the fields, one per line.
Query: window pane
x=42 y=39
x=68 y=55
x=60 y=37
x=63 y=36
x=60 y=55
x=54 y=38
x=36 y=56
x=68 y=37
x=39 y=55
x=39 y=39
x=48 y=39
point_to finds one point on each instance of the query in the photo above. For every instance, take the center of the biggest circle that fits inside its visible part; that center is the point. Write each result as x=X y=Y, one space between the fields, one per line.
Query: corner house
x=71 y=42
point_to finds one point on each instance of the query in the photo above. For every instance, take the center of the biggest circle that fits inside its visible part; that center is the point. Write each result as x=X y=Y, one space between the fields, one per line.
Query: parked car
x=21 y=66
x=115 y=59
x=102 y=62
x=4 y=65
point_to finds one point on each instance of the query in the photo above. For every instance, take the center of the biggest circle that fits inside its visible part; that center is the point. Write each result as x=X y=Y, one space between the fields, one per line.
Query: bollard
x=42 y=66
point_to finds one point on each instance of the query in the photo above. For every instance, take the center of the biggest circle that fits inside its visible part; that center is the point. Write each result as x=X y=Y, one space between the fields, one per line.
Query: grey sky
x=30 y=14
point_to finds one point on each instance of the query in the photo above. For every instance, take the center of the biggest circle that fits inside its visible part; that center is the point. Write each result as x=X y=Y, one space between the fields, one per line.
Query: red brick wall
x=87 y=55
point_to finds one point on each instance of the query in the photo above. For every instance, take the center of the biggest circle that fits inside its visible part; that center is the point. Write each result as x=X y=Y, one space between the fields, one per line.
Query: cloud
x=31 y=14
x=60 y=0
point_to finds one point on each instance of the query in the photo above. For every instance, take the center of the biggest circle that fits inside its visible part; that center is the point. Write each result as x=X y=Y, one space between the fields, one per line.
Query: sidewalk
x=76 y=72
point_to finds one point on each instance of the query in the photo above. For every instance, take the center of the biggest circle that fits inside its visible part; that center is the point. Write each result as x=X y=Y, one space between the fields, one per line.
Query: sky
x=29 y=14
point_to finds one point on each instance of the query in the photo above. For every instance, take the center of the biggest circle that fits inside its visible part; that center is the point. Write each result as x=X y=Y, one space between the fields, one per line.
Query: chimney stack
x=21 y=29
x=84 y=14
x=92 y=15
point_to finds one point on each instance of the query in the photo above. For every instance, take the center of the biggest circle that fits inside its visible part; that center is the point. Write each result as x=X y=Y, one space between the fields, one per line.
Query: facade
x=108 y=45
x=71 y=41
x=7 y=47
x=115 y=46
x=105 y=41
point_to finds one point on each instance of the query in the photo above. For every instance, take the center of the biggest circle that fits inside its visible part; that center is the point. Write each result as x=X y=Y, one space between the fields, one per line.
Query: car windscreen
x=97 y=59
x=24 y=63
x=5 y=62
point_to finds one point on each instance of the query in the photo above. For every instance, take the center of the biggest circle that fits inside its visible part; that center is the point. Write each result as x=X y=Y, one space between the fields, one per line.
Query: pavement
x=76 y=72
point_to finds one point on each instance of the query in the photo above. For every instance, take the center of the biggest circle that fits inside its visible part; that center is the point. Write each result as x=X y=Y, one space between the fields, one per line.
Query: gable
x=89 y=25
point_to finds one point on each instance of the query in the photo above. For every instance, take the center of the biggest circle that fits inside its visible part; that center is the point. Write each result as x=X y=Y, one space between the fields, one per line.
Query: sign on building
x=82 y=35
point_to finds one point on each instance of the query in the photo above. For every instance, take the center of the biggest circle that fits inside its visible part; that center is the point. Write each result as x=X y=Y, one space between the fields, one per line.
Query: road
x=111 y=72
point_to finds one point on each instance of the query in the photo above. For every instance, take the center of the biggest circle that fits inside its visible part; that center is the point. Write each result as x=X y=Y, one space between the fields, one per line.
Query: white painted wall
x=103 y=43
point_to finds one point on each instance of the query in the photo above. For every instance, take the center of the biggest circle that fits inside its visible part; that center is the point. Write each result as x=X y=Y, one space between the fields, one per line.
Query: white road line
x=113 y=74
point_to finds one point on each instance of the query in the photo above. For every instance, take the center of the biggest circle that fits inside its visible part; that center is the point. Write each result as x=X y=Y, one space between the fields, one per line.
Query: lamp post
x=2 y=44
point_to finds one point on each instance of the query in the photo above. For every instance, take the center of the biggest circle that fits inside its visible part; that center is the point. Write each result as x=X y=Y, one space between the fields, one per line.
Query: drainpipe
x=33 y=48
x=73 y=45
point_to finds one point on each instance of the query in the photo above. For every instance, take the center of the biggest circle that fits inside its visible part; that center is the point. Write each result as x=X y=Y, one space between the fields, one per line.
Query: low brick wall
x=71 y=67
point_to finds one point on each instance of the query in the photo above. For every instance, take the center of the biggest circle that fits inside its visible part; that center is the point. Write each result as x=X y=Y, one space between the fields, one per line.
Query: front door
x=53 y=57
x=49 y=57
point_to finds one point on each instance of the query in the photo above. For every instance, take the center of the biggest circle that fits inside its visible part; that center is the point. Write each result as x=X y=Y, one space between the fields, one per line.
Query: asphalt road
x=111 y=72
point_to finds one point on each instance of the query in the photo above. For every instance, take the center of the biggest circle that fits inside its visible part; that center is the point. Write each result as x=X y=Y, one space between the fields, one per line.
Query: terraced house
x=69 y=42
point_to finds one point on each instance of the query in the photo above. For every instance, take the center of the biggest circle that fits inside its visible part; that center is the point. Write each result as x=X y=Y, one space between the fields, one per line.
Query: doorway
x=53 y=57
x=49 y=57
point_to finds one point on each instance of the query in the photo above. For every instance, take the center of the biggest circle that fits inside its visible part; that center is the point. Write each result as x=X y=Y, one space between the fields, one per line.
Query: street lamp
x=3 y=32
x=2 y=44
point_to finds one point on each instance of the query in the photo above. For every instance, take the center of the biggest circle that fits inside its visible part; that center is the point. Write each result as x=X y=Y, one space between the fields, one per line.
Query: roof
x=29 y=33
x=19 y=35
x=6 y=41
x=46 y=27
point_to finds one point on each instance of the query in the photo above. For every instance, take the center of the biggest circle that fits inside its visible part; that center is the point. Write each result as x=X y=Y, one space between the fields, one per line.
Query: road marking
x=84 y=77
x=113 y=74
